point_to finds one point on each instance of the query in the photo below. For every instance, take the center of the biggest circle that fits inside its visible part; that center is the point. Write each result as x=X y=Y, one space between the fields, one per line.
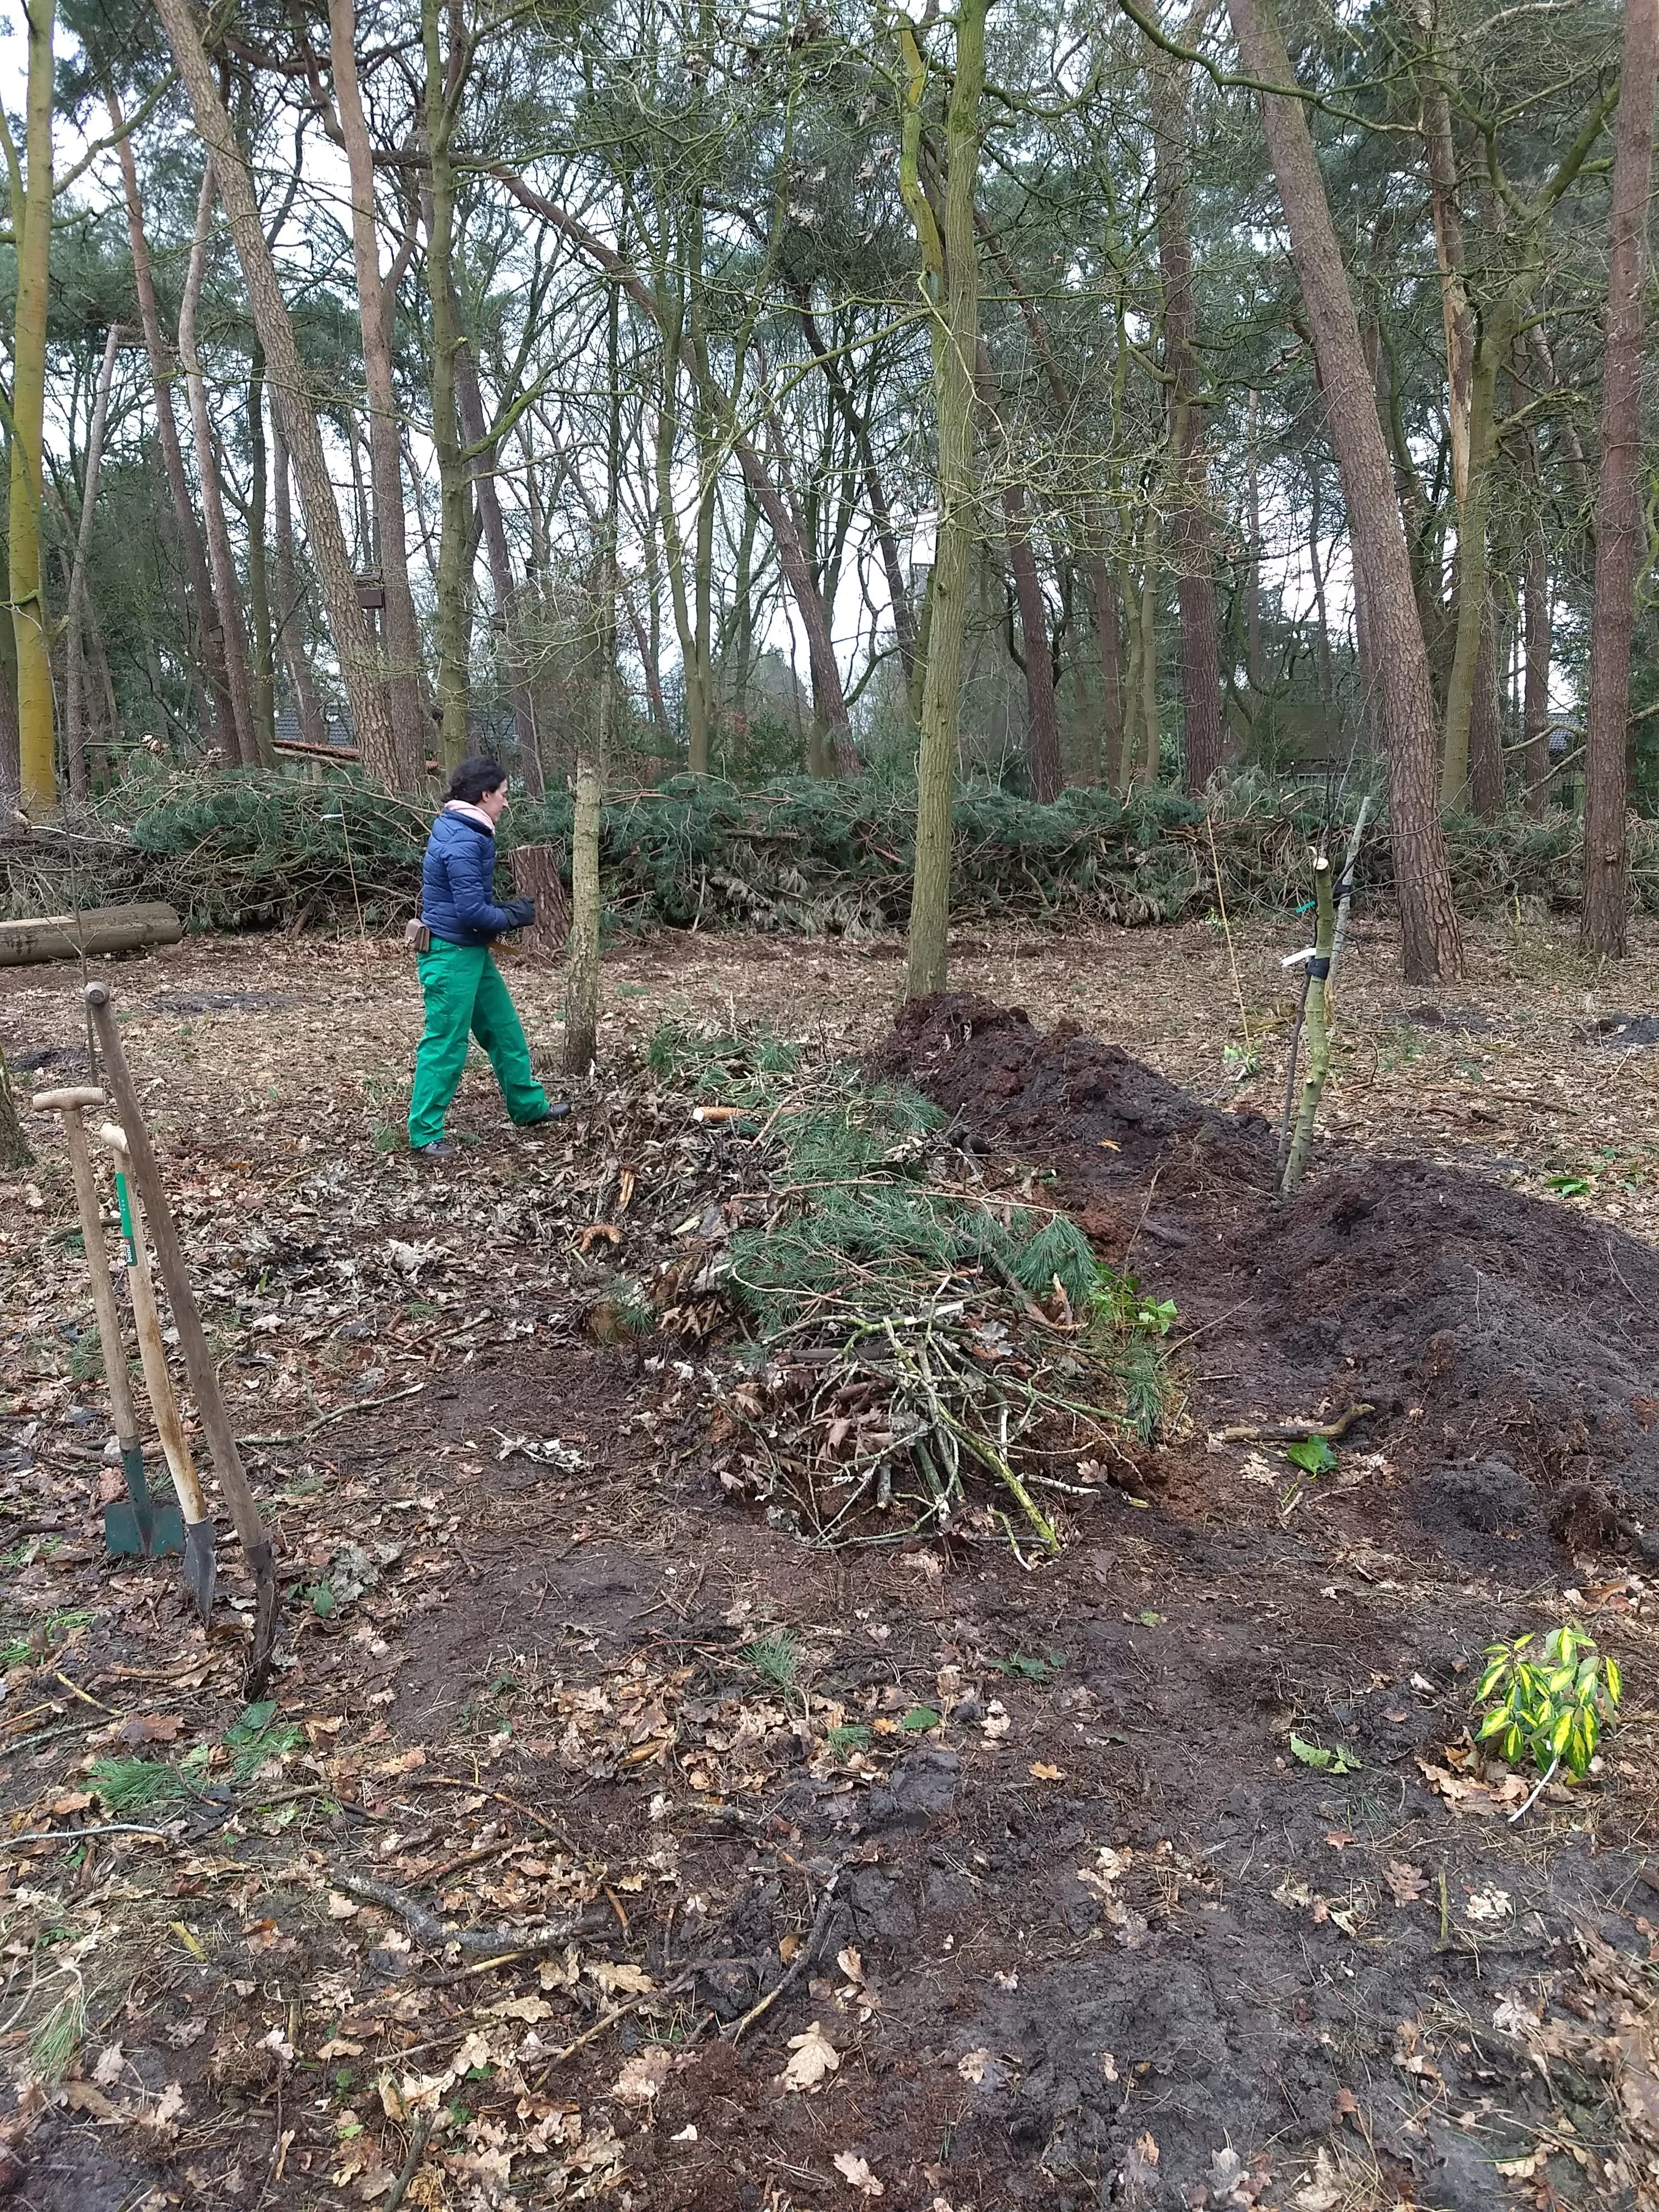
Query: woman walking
x=463 y=986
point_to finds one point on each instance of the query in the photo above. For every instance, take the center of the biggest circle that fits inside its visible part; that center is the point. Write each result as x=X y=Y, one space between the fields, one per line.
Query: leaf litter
x=562 y=1707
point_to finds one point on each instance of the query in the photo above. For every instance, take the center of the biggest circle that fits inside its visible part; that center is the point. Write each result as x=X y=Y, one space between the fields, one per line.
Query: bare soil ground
x=1073 y=1924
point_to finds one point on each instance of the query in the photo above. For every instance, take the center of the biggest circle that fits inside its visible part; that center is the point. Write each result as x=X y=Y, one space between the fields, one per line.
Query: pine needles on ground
x=132 y=1785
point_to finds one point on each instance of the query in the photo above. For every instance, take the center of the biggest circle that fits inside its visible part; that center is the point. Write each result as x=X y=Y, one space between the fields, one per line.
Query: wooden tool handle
x=65 y=1102
x=152 y=1350
x=175 y=1276
x=110 y=1340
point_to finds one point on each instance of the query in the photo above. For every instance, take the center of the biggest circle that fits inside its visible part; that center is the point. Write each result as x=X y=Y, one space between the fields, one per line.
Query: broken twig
x=1293 y=1433
x=798 y=1965
x=471 y=1943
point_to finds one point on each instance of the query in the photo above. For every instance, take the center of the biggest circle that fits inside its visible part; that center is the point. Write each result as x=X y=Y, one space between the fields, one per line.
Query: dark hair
x=476 y=776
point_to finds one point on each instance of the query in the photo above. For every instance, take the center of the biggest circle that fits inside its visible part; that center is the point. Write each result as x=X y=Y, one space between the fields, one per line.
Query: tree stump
x=536 y=875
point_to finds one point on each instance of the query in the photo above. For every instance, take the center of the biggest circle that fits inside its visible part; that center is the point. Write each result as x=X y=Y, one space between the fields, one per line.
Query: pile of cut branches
x=928 y=1354
x=824 y=856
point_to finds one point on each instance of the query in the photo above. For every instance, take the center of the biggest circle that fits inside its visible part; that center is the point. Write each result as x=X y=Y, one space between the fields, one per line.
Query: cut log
x=100 y=929
x=535 y=874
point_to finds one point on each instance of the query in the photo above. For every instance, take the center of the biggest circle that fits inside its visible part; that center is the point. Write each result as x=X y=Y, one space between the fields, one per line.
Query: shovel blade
x=123 y=1538
x=167 y=1535
x=140 y=1523
x=200 y=1565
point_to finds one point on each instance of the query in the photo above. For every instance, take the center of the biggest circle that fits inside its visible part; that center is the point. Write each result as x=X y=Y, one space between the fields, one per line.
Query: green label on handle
x=121 y=1200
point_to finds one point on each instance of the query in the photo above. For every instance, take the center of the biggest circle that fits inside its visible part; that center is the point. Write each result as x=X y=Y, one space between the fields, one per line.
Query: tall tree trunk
x=264 y=684
x=227 y=593
x=365 y=558
x=674 y=557
x=1321 y=618
x=111 y=712
x=1486 y=727
x=294 y=399
x=1108 y=648
x=1047 y=777
x=1431 y=940
x=951 y=281
x=377 y=305
x=581 y=979
x=503 y=590
x=784 y=523
x=1146 y=771
x=705 y=433
x=1473 y=612
x=881 y=513
x=1535 y=682
x=1457 y=315
x=1253 y=668
x=216 y=721
x=1189 y=529
x=450 y=623
x=1618 y=507
x=290 y=615
x=75 y=736
x=31 y=208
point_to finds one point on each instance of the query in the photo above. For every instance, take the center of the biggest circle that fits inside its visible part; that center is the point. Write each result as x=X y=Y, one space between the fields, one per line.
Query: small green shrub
x=1548 y=1702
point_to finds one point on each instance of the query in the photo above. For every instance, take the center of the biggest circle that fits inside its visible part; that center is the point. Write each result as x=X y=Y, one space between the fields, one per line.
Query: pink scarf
x=475 y=814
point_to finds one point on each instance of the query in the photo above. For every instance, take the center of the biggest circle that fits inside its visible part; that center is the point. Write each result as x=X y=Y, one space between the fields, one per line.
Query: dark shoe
x=440 y=1150
x=553 y=1114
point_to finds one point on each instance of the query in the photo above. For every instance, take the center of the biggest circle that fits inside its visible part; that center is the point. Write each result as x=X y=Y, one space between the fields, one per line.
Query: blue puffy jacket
x=457 y=878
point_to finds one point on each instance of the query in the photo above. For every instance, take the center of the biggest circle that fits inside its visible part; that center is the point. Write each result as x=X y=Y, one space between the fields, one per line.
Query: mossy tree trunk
x=449 y=624
x=30 y=201
x=75 y=668
x=1618 y=509
x=581 y=978
x=950 y=283
x=14 y=1150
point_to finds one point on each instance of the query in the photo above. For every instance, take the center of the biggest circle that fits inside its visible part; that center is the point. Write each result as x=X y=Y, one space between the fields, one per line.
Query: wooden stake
x=1319 y=1033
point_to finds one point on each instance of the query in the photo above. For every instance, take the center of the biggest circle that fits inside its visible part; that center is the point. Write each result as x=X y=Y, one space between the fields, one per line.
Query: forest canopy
x=1029 y=396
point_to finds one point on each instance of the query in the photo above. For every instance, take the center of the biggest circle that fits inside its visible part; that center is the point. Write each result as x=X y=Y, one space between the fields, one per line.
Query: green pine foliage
x=249 y=848
x=864 y=1219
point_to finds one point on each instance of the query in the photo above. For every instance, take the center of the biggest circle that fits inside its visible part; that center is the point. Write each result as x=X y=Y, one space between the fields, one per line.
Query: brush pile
x=927 y=1353
x=253 y=849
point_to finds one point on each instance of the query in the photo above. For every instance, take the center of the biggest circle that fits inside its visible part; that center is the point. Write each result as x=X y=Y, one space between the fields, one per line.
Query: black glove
x=519 y=913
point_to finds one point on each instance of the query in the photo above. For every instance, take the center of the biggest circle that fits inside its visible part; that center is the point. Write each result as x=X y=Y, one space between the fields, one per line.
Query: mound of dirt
x=1482 y=1324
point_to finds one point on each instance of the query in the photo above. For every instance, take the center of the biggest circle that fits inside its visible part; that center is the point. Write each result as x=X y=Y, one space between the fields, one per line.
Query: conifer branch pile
x=928 y=1352
x=257 y=850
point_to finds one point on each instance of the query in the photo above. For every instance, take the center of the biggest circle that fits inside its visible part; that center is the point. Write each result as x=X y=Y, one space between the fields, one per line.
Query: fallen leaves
x=854 y=2170
x=149 y=1727
x=812 y=2059
x=1406 y=1883
x=1480 y=1798
x=643 y=2076
x=1323 y=2187
x=1336 y=1761
x=1486 y=1907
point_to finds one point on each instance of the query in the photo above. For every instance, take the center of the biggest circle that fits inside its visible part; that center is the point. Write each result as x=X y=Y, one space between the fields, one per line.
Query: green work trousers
x=464 y=995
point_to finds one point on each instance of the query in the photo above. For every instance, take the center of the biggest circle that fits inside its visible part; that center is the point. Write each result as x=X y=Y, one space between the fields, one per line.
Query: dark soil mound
x=1481 y=1323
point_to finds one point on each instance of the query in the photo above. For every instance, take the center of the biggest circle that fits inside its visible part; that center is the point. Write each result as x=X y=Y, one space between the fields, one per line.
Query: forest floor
x=1073 y=1922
